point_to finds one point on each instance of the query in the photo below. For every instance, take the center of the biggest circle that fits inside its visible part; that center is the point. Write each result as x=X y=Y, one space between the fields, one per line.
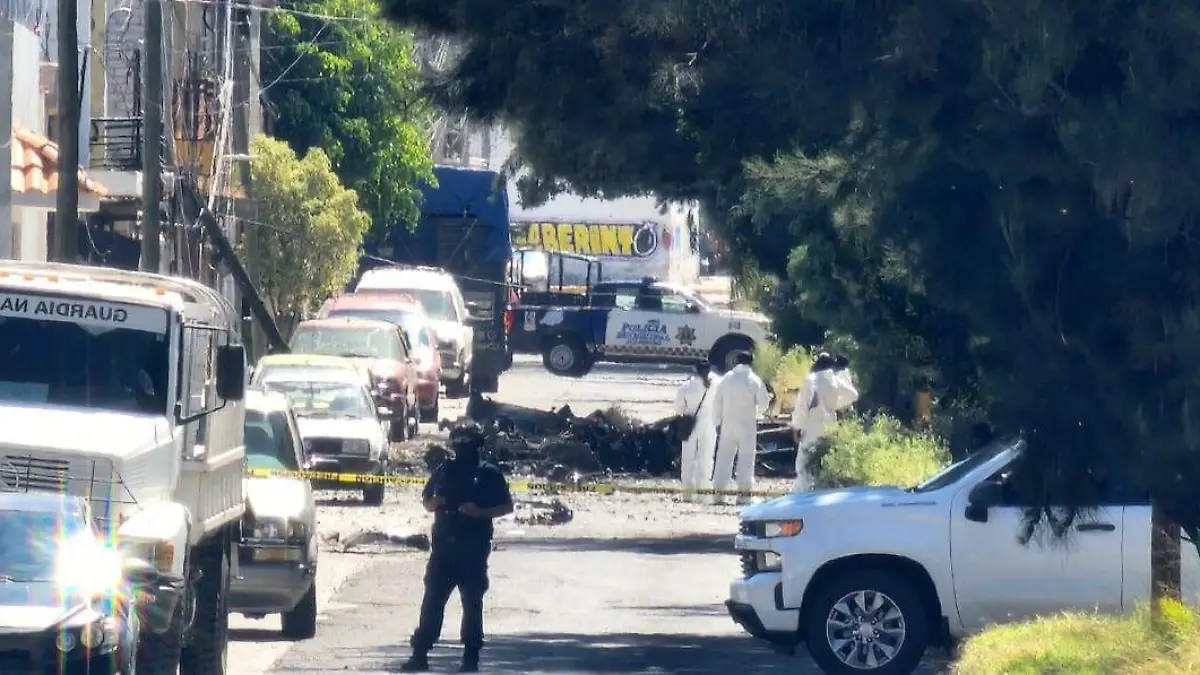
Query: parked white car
x=868 y=578
x=342 y=430
x=440 y=295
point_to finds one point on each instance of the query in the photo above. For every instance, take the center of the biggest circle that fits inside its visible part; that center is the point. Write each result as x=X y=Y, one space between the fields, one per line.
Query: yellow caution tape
x=515 y=486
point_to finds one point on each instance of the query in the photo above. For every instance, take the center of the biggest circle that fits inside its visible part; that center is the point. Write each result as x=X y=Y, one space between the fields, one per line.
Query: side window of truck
x=198 y=377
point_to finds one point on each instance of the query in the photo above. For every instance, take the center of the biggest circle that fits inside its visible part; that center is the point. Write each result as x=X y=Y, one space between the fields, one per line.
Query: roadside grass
x=876 y=450
x=1087 y=644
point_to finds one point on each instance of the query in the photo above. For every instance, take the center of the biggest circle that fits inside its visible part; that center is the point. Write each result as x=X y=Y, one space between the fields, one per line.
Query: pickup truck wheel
x=868 y=621
x=373 y=495
x=565 y=356
x=460 y=388
x=208 y=650
x=301 y=622
x=430 y=413
x=726 y=349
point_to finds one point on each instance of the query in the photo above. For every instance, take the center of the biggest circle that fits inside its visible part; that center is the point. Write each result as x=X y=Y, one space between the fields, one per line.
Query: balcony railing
x=116 y=143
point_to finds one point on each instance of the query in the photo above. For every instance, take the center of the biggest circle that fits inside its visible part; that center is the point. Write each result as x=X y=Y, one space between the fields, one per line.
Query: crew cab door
x=999 y=579
x=653 y=328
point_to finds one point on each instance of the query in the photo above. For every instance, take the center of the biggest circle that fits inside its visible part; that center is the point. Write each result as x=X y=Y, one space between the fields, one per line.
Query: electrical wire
x=270 y=10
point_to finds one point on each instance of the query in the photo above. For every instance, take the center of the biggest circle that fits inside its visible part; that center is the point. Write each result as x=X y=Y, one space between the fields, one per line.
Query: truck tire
x=160 y=654
x=430 y=413
x=566 y=356
x=723 y=352
x=301 y=622
x=870 y=612
x=207 y=652
x=373 y=495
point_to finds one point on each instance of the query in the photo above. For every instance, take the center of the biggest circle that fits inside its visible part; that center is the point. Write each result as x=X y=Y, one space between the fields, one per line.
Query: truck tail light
x=508 y=320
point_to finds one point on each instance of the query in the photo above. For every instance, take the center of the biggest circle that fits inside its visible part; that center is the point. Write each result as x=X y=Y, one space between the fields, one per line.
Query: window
x=269 y=441
x=375 y=343
x=439 y=305
x=70 y=364
x=325 y=399
x=956 y=471
x=674 y=303
x=198 y=375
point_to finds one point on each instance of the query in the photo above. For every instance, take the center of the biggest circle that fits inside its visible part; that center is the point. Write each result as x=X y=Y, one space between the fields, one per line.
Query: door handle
x=1095 y=527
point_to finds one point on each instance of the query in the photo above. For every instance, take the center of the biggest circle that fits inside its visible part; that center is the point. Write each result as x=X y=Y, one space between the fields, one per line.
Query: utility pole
x=66 y=213
x=243 y=73
x=152 y=133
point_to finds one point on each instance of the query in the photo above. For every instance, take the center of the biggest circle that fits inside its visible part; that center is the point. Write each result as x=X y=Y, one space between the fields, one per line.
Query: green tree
x=311 y=229
x=350 y=86
x=1003 y=189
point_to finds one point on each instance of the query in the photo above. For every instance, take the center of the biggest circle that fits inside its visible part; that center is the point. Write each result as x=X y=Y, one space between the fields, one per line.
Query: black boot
x=417 y=663
x=470 y=662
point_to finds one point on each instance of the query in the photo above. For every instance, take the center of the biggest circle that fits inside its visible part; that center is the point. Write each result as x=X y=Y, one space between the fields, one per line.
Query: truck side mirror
x=231 y=372
x=981 y=498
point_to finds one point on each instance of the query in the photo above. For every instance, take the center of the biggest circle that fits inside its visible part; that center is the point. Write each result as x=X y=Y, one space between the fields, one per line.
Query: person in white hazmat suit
x=826 y=390
x=741 y=398
x=695 y=398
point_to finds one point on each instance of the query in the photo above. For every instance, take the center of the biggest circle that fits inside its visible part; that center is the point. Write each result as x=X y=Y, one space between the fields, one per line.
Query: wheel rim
x=865 y=629
x=562 y=357
x=731 y=359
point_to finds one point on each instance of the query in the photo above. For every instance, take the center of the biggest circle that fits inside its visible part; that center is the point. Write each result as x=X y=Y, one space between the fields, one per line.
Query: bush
x=783 y=370
x=1087 y=644
x=875 y=451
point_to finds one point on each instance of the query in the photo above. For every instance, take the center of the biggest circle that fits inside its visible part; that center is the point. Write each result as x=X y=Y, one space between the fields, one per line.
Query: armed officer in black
x=465 y=495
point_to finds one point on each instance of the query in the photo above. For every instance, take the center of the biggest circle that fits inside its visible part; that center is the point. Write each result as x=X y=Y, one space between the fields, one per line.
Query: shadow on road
x=692 y=544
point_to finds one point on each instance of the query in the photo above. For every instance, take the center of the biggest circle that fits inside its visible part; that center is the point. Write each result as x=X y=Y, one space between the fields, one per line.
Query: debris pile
x=541 y=512
x=408 y=538
x=559 y=445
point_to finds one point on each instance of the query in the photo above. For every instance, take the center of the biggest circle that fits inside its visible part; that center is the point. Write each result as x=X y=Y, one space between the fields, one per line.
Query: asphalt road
x=634 y=584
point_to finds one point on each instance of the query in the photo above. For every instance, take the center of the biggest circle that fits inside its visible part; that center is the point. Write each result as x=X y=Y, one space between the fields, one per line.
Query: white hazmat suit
x=822 y=395
x=741 y=398
x=696 y=462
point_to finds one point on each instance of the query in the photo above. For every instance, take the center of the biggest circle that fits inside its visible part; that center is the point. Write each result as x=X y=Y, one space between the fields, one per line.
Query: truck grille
x=749 y=564
x=324 y=446
x=23 y=473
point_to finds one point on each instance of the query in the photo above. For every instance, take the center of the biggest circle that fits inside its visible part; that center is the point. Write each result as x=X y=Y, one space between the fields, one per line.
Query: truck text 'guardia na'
x=125 y=388
x=464 y=229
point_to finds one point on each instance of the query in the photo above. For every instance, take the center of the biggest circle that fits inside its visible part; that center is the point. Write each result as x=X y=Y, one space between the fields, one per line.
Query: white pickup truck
x=868 y=578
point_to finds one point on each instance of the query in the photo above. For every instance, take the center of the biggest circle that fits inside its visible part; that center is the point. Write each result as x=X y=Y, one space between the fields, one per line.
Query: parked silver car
x=277 y=555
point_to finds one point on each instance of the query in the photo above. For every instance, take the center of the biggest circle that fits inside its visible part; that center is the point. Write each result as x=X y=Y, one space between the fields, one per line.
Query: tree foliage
x=351 y=88
x=312 y=229
x=1004 y=189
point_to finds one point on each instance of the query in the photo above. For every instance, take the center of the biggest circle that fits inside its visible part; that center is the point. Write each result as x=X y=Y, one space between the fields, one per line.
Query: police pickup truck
x=640 y=321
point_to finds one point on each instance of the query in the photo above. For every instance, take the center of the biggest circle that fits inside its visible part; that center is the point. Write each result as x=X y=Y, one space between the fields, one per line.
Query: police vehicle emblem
x=686 y=335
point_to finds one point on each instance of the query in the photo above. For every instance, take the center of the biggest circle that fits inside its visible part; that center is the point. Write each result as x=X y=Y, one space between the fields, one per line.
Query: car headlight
x=99 y=636
x=782 y=528
x=356 y=446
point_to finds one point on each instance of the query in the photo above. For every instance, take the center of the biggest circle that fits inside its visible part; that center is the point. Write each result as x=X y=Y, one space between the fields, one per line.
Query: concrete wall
x=28 y=233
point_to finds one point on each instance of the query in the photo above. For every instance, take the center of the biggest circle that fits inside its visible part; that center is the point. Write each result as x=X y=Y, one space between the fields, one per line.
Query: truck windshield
x=80 y=365
x=411 y=322
x=439 y=305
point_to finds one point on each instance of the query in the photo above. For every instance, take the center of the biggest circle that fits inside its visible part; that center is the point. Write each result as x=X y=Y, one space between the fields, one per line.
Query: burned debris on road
x=560 y=446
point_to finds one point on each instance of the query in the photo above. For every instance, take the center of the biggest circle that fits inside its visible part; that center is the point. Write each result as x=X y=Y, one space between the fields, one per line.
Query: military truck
x=126 y=388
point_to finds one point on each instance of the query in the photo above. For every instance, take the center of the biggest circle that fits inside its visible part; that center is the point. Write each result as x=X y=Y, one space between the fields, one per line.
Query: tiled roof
x=35 y=166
